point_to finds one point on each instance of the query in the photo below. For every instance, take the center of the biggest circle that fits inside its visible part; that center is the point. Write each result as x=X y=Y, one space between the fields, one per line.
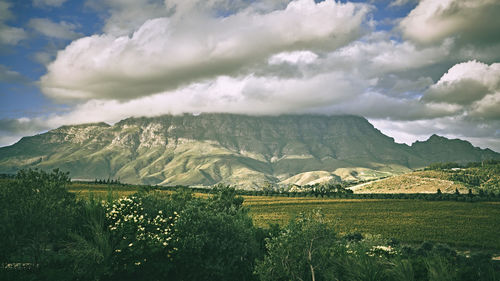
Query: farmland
x=454 y=223
x=461 y=224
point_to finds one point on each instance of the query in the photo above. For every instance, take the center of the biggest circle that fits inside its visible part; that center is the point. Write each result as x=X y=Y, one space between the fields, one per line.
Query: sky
x=412 y=68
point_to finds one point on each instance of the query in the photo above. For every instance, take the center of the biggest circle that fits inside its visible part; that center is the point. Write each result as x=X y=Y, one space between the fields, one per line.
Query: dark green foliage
x=91 y=248
x=37 y=216
x=217 y=237
x=306 y=249
x=37 y=219
x=356 y=237
x=48 y=235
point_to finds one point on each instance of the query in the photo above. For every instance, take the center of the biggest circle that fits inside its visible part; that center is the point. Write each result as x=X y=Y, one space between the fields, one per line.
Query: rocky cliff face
x=232 y=149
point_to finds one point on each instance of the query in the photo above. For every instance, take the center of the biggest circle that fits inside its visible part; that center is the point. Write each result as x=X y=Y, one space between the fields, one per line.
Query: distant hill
x=441 y=149
x=479 y=177
x=414 y=182
x=246 y=151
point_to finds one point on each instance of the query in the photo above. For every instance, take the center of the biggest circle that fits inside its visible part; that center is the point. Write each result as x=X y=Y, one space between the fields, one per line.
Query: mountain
x=437 y=148
x=232 y=149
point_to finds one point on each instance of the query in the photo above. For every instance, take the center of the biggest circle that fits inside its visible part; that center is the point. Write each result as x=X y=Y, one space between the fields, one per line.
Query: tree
x=215 y=236
x=38 y=214
x=304 y=250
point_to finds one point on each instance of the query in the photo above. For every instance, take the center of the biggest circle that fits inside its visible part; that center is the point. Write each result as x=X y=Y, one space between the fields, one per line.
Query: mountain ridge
x=242 y=150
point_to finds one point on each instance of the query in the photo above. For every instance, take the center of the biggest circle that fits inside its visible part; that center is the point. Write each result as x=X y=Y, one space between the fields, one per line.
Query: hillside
x=480 y=177
x=232 y=149
x=414 y=182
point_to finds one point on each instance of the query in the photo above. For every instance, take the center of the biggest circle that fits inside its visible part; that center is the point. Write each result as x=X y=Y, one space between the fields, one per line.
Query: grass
x=101 y=191
x=460 y=224
x=412 y=221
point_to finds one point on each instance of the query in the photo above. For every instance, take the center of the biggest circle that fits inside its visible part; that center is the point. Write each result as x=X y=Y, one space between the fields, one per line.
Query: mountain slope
x=225 y=148
x=437 y=148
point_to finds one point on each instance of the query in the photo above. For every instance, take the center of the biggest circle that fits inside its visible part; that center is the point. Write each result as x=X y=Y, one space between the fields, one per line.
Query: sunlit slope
x=246 y=151
x=415 y=182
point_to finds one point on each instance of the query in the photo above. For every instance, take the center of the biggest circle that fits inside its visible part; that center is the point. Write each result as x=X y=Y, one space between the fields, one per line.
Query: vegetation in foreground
x=48 y=234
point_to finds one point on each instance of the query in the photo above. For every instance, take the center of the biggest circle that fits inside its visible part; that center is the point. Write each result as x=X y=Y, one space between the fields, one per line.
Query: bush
x=304 y=250
x=37 y=216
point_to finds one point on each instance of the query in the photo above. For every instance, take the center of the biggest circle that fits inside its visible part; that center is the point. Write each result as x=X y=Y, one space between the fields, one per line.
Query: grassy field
x=461 y=224
x=455 y=223
x=83 y=190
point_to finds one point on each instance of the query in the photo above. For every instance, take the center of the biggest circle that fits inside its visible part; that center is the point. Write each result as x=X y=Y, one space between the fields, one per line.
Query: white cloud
x=473 y=21
x=61 y=30
x=273 y=57
x=471 y=92
x=474 y=70
x=472 y=84
x=127 y=16
x=296 y=57
x=487 y=108
x=165 y=53
x=377 y=54
x=247 y=94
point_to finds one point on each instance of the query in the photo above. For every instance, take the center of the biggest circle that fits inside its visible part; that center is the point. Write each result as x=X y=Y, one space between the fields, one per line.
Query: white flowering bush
x=139 y=236
x=372 y=246
x=382 y=251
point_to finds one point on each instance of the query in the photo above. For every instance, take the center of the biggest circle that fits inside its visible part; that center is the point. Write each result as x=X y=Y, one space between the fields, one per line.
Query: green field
x=459 y=224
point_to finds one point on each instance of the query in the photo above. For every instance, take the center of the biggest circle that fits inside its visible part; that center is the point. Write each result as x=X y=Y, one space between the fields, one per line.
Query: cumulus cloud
x=487 y=108
x=126 y=16
x=378 y=54
x=471 y=21
x=473 y=85
x=164 y=53
x=469 y=94
x=61 y=30
x=159 y=57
